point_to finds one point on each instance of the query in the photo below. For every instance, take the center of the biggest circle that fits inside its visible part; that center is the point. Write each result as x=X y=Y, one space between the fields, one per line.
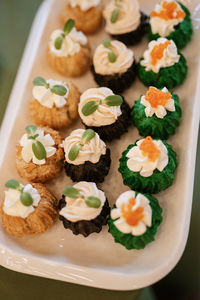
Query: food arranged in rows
x=147 y=165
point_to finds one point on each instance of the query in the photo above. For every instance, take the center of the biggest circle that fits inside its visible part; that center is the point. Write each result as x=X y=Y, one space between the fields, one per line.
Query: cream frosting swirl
x=48 y=99
x=169 y=57
x=104 y=115
x=84 y=4
x=13 y=206
x=76 y=209
x=131 y=226
x=27 y=152
x=71 y=43
x=90 y=151
x=160 y=110
x=138 y=161
x=102 y=65
x=164 y=26
x=128 y=18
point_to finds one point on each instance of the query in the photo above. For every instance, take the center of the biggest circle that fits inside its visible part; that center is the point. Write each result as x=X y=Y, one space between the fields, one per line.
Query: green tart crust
x=153 y=184
x=138 y=242
x=167 y=77
x=182 y=33
x=154 y=126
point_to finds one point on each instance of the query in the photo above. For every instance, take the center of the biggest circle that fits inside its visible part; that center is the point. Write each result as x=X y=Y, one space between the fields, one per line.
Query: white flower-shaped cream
x=27 y=152
x=13 y=206
x=157 y=102
x=147 y=156
x=165 y=17
x=161 y=53
x=133 y=214
x=84 y=4
x=71 y=43
x=46 y=98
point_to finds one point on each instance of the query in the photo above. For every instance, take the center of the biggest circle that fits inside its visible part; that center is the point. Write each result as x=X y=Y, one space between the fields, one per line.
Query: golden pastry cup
x=42 y=173
x=57 y=117
x=41 y=219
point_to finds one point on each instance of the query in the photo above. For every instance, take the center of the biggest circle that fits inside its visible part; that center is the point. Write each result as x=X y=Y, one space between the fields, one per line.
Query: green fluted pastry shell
x=167 y=77
x=138 y=242
x=182 y=33
x=153 y=184
x=154 y=126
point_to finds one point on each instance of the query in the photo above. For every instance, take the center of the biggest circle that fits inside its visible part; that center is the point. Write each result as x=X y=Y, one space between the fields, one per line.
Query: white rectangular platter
x=97 y=261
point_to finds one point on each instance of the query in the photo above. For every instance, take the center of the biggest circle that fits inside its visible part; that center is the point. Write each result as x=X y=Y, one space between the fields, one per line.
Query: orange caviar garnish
x=149 y=149
x=132 y=217
x=169 y=11
x=157 y=97
x=157 y=52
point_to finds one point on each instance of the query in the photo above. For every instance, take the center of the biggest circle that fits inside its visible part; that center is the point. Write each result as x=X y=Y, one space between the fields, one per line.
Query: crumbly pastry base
x=118 y=128
x=135 y=36
x=88 y=171
x=57 y=117
x=86 y=21
x=130 y=241
x=39 y=221
x=72 y=66
x=154 y=126
x=42 y=173
x=86 y=227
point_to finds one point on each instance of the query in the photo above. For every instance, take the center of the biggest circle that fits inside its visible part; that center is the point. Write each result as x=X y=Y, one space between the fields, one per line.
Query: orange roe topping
x=157 y=97
x=169 y=11
x=157 y=52
x=132 y=217
x=149 y=149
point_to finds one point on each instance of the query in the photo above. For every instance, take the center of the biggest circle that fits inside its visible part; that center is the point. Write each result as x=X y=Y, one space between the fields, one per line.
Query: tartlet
x=148 y=166
x=162 y=65
x=86 y=14
x=157 y=113
x=68 y=51
x=55 y=103
x=125 y=21
x=134 y=219
x=106 y=113
x=86 y=156
x=114 y=66
x=29 y=209
x=39 y=156
x=171 y=19
x=84 y=209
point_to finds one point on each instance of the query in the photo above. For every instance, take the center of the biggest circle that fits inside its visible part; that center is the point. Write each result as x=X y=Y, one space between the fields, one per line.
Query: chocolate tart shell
x=115 y=130
x=89 y=171
x=86 y=227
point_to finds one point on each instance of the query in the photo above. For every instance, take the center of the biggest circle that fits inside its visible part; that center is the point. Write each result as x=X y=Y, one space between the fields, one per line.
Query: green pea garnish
x=93 y=202
x=66 y=30
x=59 y=90
x=114 y=15
x=39 y=150
x=25 y=197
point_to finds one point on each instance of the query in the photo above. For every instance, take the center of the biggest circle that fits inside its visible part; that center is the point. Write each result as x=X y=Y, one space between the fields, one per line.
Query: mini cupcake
x=125 y=21
x=157 y=113
x=68 y=51
x=29 y=209
x=134 y=219
x=162 y=65
x=148 y=166
x=55 y=103
x=86 y=156
x=86 y=13
x=171 y=19
x=114 y=66
x=106 y=113
x=39 y=155
x=84 y=208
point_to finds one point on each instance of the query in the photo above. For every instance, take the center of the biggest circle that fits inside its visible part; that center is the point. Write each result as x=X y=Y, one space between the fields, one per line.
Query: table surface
x=15 y=21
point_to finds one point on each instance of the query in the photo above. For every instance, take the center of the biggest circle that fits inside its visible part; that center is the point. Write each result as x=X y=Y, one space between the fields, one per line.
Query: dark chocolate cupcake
x=125 y=21
x=114 y=66
x=84 y=208
x=86 y=156
x=171 y=19
x=107 y=114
